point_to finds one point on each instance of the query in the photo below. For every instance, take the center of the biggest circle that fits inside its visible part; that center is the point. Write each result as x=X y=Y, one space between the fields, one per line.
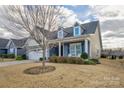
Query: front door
x=75 y=49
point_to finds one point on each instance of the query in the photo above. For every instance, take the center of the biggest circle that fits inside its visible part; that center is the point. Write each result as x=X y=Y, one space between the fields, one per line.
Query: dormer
x=60 y=33
x=76 y=29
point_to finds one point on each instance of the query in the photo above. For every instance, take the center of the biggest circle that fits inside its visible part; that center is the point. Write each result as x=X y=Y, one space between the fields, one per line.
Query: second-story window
x=77 y=31
x=60 y=34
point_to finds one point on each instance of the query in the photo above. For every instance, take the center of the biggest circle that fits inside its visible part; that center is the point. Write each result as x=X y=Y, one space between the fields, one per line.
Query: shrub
x=103 y=56
x=113 y=57
x=79 y=60
x=41 y=59
x=89 y=62
x=61 y=59
x=71 y=60
x=19 y=58
x=11 y=55
x=24 y=56
x=4 y=56
x=84 y=55
x=95 y=60
x=120 y=57
x=53 y=59
x=7 y=55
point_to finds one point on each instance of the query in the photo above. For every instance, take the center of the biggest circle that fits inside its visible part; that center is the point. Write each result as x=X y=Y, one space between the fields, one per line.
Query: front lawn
x=107 y=74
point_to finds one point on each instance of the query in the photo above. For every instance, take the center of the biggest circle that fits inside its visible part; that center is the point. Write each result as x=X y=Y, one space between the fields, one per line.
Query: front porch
x=69 y=48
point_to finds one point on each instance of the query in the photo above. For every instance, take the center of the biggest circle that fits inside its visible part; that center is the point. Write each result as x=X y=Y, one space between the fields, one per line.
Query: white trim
x=74 y=31
x=60 y=34
x=15 y=51
x=59 y=48
x=63 y=50
x=75 y=48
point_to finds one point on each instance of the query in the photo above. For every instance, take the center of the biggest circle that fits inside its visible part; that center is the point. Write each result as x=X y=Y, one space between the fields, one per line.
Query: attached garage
x=35 y=55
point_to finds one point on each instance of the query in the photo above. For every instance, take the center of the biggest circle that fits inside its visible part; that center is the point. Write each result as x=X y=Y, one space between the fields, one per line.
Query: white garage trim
x=35 y=55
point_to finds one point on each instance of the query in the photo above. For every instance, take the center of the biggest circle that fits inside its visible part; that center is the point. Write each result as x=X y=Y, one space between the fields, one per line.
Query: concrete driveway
x=3 y=64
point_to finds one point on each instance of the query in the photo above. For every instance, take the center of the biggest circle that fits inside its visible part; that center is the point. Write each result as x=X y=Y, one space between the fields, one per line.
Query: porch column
x=15 y=52
x=86 y=46
x=47 y=52
x=59 y=48
x=63 y=50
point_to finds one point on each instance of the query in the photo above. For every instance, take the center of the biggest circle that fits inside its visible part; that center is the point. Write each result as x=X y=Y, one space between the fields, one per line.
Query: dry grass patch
x=7 y=59
x=39 y=70
x=107 y=74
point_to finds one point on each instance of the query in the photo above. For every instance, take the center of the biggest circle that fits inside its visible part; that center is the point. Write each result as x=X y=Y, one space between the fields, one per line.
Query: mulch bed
x=39 y=70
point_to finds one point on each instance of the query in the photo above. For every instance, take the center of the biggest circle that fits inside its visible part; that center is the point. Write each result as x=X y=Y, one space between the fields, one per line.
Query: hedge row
x=7 y=55
x=72 y=60
x=23 y=57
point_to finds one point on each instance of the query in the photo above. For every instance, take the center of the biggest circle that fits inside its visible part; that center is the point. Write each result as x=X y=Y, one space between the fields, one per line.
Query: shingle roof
x=19 y=42
x=3 y=43
x=87 y=28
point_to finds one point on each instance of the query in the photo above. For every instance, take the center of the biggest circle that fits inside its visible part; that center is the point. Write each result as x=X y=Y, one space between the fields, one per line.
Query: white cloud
x=112 y=24
x=71 y=17
x=69 y=14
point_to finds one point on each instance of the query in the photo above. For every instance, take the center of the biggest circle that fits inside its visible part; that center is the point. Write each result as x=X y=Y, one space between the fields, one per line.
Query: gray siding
x=21 y=51
x=66 y=49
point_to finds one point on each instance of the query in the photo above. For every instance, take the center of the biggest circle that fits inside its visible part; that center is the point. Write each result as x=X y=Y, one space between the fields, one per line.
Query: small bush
x=96 y=61
x=4 y=56
x=53 y=59
x=71 y=60
x=103 y=56
x=120 y=57
x=84 y=56
x=41 y=59
x=19 y=58
x=24 y=56
x=7 y=55
x=113 y=57
x=89 y=62
x=11 y=55
x=61 y=60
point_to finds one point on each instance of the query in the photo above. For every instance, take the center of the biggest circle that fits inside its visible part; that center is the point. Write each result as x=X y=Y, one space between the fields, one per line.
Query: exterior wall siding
x=54 y=51
x=66 y=49
x=21 y=51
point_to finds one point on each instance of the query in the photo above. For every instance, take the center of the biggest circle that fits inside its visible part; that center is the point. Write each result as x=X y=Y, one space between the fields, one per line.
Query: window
x=77 y=31
x=60 y=34
x=75 y=49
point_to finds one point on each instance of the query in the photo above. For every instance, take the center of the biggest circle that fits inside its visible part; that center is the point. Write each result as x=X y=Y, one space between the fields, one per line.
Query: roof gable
x=19 y=42
x=87 y=28
x=3 y=43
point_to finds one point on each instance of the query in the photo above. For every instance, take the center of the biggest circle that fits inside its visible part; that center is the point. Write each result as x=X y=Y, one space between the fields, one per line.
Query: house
x=3 y=46
x=113 y=52
x=71 y=41
x=17 y=46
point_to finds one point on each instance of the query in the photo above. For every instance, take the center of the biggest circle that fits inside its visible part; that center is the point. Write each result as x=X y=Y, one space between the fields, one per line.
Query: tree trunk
x=44 y=59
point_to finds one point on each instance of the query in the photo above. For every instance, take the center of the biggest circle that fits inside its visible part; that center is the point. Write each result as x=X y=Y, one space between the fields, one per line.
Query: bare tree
x=38 y=21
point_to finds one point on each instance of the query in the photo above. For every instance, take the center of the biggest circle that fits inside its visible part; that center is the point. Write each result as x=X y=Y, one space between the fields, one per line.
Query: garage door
x=35 y=55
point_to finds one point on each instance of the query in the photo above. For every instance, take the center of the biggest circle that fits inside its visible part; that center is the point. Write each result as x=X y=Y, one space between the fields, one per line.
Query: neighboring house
x=34 y=52
x=71 y=41
x=113 y=52
x=3 y=46
x=17 y=46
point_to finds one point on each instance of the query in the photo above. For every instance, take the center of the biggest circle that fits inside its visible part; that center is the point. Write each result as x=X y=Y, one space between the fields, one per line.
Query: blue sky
x=81 y=11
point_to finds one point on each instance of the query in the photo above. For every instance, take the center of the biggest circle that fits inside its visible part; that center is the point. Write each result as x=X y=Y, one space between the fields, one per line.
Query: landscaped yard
x=108 y=74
